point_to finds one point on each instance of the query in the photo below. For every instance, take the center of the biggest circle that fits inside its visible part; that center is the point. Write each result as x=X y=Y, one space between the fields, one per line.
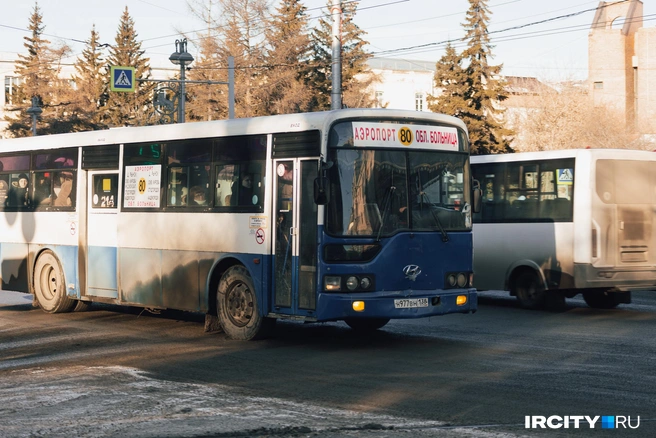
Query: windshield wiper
x=386 y=208
x=445 y=236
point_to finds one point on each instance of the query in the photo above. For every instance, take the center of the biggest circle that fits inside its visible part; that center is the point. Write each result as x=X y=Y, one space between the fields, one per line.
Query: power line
x=535 y=23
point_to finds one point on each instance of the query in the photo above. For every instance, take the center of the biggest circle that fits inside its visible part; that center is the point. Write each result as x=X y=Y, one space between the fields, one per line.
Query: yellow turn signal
x=358 y=306
x=461 y=300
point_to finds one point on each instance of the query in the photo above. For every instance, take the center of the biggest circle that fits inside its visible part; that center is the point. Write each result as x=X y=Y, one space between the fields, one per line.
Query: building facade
x=622 y=64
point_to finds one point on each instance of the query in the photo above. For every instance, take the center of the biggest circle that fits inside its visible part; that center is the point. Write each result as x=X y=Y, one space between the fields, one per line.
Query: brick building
x=622 y=64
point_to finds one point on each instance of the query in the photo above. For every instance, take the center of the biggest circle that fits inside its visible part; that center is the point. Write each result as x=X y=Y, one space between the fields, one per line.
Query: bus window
x=178 y=186
x=225 y=177
x=19 y=190
x=105 y=191
x=4 y=189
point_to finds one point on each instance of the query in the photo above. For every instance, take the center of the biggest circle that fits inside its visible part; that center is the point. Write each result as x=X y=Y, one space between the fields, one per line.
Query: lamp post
x=182 y=58
x=34 y=111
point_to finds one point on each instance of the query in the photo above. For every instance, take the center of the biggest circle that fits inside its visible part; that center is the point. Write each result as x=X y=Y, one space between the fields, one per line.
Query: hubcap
x=239 y=301
x=49 y=282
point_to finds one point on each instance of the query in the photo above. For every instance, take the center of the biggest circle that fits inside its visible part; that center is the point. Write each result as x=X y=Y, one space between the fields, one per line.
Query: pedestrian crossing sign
x=122 y=78
x=565 y=176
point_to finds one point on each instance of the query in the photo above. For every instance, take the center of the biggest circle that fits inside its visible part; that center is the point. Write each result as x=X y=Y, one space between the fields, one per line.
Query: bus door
x=102 y=234
x=295 y=238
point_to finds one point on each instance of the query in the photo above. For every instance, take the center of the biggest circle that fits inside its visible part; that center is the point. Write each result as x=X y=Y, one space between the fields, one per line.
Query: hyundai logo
x=411 y=272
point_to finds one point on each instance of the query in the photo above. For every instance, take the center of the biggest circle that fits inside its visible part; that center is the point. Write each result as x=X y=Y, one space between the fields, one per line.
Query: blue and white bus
x=358 y=215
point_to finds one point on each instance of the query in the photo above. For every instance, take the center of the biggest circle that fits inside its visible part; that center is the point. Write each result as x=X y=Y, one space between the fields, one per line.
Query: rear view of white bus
x=555 y=224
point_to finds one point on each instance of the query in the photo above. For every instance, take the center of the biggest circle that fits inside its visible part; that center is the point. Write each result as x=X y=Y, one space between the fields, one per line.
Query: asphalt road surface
x=118 y=371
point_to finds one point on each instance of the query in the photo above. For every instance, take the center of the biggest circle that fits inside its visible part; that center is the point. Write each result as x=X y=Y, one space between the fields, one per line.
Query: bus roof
x=219 y=128
x=565 y=153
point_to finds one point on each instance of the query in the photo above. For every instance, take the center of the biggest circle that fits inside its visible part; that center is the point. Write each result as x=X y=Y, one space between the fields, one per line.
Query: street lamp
x=182 y=58
x=34 y=111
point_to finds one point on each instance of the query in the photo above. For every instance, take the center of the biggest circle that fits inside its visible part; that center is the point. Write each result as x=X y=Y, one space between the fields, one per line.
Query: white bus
x=557 y=223
x=312 y=217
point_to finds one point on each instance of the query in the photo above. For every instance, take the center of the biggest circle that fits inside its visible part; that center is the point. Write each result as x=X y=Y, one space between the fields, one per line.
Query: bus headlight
x=365 y=283
x=332 y=283
x=461 y=279
x=451 y=280
x=352 y=283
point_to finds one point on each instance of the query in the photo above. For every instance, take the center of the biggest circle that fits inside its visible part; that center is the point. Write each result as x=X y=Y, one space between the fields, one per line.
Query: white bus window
x=178 y=186
x=105 y=191
x=225 y=177
x=19 y=190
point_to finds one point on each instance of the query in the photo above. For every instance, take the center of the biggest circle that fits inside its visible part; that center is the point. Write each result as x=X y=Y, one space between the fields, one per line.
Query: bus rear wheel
x=238 y=309
x=49 y=285
x=529 y=290
x=366 y=324
x=601 y=299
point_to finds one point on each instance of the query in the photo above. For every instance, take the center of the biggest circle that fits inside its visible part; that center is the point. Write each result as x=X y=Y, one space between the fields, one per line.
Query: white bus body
x=222 y=217
x=557 y=223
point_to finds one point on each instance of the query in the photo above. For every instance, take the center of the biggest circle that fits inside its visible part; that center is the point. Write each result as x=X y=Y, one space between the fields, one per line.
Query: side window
x=143 y=174
x=225 y=178
x=4 y=189
x=15 y=181
x=54 y=179
x=494 y=204
x=19 y=184
x=189 y=164
x=105 y=191
x=239 y=172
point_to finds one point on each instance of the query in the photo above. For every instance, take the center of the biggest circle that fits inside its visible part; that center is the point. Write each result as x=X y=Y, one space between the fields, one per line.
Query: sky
x=543 y=39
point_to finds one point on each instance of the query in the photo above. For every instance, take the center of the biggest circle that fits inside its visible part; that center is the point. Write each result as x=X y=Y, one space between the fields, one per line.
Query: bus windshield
x=382 y=192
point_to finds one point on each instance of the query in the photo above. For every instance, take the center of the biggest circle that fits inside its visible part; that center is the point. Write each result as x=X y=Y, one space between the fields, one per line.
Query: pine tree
x=450 y=79
x=289 y=47
x=244 y=22
x=207 y=102
x=483 y=86
x=89 y=93
x=357 y=77
x=36 y=75
x=128 y=108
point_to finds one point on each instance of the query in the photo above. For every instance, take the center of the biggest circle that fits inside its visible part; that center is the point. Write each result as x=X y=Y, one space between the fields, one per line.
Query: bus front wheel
x=601 y=300
x=366 y=324
x=49 y=285
x=238 y=308
x=529 y=290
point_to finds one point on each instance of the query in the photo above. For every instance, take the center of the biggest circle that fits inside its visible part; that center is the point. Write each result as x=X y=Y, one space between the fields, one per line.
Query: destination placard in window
x=142 y=186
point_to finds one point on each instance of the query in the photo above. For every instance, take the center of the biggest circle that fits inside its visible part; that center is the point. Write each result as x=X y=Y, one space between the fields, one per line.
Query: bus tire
x=238 y=309
x=366 y=324
x=82 y=306
x=50 y=286
x=529 y=290
x=601 y=299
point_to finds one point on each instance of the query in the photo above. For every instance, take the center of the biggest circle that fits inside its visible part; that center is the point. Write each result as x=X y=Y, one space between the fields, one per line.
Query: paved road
x=117 y=371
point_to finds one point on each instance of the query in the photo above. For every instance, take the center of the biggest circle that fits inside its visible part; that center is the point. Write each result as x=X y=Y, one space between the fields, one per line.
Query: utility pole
x=336 y=93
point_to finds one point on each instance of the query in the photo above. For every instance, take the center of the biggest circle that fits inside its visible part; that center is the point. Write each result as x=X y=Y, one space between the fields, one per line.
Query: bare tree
x=564 y=117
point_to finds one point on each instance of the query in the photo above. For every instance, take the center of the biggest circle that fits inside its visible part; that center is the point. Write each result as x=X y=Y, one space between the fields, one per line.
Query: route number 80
x=405 y=136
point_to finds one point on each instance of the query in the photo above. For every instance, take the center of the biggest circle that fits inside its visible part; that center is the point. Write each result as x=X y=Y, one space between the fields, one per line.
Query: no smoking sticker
x=259 y=236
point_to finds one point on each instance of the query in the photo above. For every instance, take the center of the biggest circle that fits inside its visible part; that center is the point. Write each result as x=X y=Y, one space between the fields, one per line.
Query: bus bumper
x=612 y=277
x=390 y=304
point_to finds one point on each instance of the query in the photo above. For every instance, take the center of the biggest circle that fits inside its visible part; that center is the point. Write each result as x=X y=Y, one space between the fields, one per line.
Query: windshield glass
x=382 y=192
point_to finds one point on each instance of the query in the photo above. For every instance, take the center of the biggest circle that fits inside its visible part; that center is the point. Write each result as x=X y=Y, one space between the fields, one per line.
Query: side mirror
x=321 y=190
x=477 y=196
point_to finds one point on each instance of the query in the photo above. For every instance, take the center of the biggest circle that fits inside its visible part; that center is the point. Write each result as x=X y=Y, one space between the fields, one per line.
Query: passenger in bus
x=42 y=189
x=63 y=192
x=198 y=196
x=18 y=195
x=246 y=190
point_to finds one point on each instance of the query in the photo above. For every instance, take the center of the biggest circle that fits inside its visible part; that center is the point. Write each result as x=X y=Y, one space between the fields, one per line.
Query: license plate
x=407 y=303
